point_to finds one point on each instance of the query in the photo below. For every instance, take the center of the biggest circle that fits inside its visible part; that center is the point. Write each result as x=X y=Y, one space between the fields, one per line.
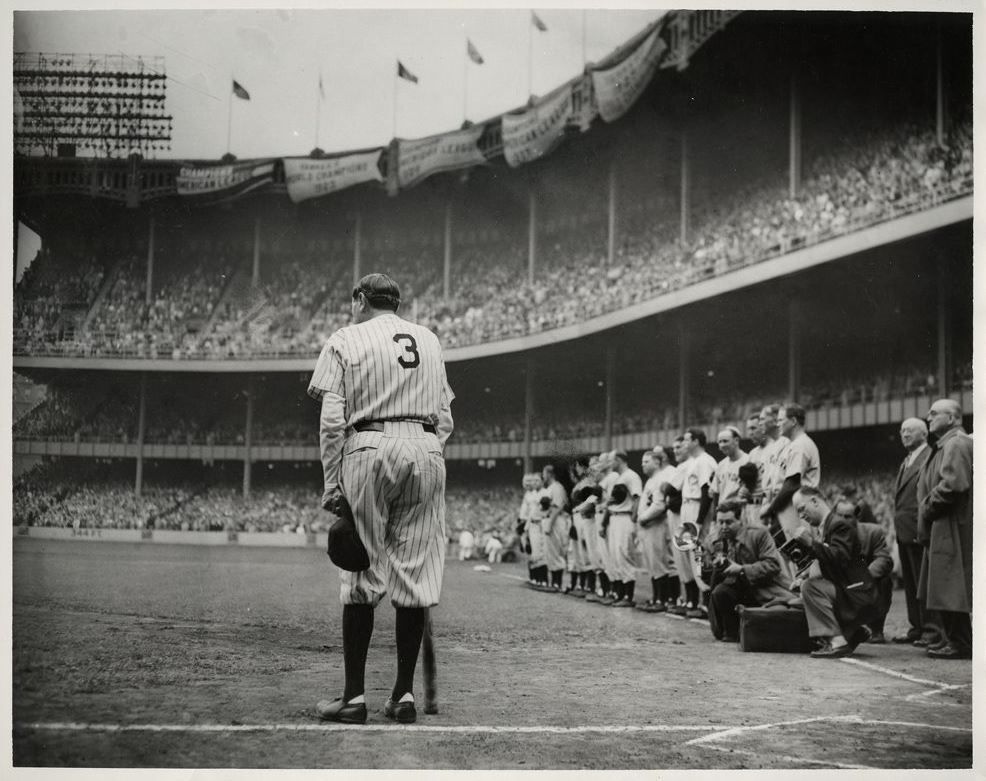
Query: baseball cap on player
x=621 y=455
x=380 y=290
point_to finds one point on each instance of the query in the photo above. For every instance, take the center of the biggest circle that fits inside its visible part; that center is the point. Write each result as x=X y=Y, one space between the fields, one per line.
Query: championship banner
x=533 y=133
x=222 y=182
x=583 y=103
x=618 y=88
x=307 y=178
x=422 y=157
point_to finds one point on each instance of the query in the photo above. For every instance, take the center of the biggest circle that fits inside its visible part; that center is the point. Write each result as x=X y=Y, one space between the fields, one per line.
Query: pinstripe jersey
x=386 y=368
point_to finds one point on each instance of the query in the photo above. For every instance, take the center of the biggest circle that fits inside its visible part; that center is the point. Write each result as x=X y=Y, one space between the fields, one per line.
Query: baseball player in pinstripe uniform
x=655 y=534
x=621 y=534
x=385 y=418
x=555 y=522
x=527 y=521
x=578 y=552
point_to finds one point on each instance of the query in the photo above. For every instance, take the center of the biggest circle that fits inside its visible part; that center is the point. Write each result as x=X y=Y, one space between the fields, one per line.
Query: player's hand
x=733 y=568
x=330 y=502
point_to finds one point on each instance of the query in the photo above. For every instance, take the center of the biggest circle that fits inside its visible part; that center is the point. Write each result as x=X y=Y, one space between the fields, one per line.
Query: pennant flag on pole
x=536 y=21
x=404 y=73
x=238 y=90
x=321 y=89
x=473 y=53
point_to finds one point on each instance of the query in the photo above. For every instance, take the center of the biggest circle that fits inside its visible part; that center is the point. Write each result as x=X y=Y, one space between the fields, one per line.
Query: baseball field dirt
x=143 y=655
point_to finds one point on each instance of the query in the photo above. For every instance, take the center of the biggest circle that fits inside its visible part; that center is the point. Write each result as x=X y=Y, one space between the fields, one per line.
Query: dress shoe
x=907 y=639
x=926 y=640
x=623 y=603
x=694 y=612
x=341 y=711
x=827 y=651
x=949 y=651
x=937 y=645
x=402 y=712
x=860 y=634
x=590 y=597
x=677 y=610
x=877 y=638
x=729 y=638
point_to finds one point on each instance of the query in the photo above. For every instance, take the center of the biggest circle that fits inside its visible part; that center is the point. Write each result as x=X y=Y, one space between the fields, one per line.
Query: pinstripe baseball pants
x=656 y=548
x=395 y=482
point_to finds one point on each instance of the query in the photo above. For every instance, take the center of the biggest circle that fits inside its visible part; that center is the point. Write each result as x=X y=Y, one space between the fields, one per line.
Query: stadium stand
x=868 y=179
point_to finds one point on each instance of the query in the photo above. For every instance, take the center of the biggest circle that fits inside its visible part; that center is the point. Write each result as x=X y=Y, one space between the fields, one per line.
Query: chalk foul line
x=71 y=726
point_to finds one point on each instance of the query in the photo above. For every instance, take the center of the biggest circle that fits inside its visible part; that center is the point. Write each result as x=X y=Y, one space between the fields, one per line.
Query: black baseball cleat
x=341 y=711
x=402 y=712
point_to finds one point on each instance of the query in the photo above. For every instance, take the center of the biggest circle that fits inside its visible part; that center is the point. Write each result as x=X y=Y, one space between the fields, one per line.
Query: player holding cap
x=385 y=418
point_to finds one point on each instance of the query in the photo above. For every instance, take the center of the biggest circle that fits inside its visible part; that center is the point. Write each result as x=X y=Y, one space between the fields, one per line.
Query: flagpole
x=530 y=57
x=229 y=116
x=465 y=82
x=318 y=109
x=396 y=85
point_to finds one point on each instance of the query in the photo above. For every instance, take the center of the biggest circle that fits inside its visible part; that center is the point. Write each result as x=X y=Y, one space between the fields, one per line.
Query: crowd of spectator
x=60 y=496
x=874 y=178
x=862 y=181
x=83 y=414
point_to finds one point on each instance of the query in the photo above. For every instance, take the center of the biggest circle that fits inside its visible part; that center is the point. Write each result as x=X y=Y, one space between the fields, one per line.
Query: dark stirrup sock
x=357 y=628
x=410 y=627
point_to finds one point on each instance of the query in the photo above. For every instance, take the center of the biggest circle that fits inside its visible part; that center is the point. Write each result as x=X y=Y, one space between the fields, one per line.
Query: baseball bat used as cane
x=428 y=666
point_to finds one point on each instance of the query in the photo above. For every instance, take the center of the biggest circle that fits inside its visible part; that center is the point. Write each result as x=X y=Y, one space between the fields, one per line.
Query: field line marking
x=903 y=676
x=751 y=728
x=886 y=723
x=927 y=694
x=332 y=727
x=785 y=758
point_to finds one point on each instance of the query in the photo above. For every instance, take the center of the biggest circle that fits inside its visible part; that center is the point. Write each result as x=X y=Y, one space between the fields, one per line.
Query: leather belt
x=378 y=425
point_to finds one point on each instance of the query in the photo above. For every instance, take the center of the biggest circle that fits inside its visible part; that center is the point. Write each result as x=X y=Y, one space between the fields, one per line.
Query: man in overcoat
x=945 y=517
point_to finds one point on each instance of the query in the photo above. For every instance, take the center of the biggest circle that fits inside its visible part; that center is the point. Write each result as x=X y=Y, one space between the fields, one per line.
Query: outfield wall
x=171 y=537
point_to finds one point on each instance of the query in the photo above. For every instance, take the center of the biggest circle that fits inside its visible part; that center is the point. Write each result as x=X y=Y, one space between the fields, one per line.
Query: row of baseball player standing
x=615 y=519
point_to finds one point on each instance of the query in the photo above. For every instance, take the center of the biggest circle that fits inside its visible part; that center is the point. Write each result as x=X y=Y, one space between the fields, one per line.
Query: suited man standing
x=945 y=515
x=924 y=628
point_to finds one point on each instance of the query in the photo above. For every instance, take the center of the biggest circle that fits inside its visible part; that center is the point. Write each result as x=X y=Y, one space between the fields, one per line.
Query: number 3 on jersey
x=410 y=345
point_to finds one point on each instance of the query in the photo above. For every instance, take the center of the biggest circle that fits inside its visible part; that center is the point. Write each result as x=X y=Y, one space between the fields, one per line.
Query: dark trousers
x=910 y=570
x=723 y=600
x=884 y=597
x=958 y=629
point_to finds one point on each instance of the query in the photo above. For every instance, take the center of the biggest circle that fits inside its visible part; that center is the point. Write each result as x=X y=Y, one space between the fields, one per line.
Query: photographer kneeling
x=747 y=570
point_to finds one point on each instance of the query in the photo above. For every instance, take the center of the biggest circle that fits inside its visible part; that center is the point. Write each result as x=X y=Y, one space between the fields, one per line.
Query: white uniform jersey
x=726 y=481
x=529 y=505
x=386 y=369
x=631 y=480
x=801 y=458
x=773 y=472
x=697 y=471
x=756 y=456
x=606 y=484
